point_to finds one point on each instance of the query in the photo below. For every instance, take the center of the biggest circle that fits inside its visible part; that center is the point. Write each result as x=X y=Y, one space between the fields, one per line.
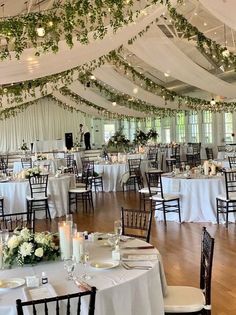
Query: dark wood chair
x=136 y=223
x=134 y=172
x=82 y=193
x=232 y=161
x=38 y=198
x=152 y=157
x=71 y=302
x=1 y=205
x=221 y=148
x=165 y=202
x=209 y=153
x=69 y=163
x=26 y=162
x=226 y=203
x=145 y=193
x=18 y=220
x=191 y=300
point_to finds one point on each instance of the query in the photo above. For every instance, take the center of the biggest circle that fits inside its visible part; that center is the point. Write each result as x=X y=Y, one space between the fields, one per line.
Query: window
x=228 y=118
x=148 y=124
x=109 y=130
x=207 y=127
x=193 y=127
x=166 y=129
x=180 y=127
x=125 y=128
x=132 y=129
x=157 y=128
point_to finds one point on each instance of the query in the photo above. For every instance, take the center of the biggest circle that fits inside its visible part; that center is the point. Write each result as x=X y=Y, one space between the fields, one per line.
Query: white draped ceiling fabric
x=153 y=48
x=112 y=78
x=30 y=67
x=99 y=100
x=223 y=10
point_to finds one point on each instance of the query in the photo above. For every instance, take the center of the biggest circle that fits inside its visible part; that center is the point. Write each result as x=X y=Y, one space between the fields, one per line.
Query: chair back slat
x=38 y=185
x=209 y=153
x=207 y=250
x=18 y=221
x=26 y=162
x=230 y=183
x=136 y=220
x=154 y=181
x=51 y=301
x=232 y=161
x=134 y=166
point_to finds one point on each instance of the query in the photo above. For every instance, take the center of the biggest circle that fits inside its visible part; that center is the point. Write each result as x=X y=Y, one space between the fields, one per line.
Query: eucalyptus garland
x=73 y=19
x=126 y=100
x=211 y=48
x=192 y=103
x=102 y=111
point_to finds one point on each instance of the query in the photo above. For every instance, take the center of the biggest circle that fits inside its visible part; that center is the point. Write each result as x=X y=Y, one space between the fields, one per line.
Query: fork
x=128 y=267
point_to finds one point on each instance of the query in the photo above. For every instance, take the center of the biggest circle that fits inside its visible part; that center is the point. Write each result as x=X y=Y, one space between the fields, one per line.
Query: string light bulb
x=212 y=102
x=40 y=31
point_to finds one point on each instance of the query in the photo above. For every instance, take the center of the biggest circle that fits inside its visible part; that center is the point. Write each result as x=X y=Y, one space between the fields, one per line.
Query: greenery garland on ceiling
x=115 y=96
x=193 y=103
x=73 y=19
x=101 y=110
x=20 y=91
x=211 y=48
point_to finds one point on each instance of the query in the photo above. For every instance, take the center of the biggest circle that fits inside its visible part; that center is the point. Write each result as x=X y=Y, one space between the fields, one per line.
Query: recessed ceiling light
x=166 y=74
x=205 y=23
x=195 y=13
x=135 y=90
x=113 y=103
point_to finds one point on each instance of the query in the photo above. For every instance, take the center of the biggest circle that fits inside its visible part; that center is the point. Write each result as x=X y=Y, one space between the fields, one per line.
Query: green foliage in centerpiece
x=27 y=248
x=141 y=138
x=24 y=146
x=41 y=157
x=118 y=142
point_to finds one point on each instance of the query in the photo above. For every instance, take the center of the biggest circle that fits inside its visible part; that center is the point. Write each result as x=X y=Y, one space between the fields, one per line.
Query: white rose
x=25 y=249
x=25 y=234
x=39 y=252
x=13 y=242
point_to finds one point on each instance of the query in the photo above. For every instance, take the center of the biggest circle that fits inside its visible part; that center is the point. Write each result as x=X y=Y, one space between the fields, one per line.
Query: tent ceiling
x=147 y=55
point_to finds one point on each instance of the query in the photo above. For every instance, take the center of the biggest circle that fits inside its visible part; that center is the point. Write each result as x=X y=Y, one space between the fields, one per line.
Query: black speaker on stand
x=69 y=140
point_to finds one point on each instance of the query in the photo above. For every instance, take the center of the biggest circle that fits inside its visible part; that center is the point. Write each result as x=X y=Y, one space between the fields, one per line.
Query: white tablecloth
x=111 y=174
x=197 y=197
x=15 y=192
x=120 y=291
x=49 y=145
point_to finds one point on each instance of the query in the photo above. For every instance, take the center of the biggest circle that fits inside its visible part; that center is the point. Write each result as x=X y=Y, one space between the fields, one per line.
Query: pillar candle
x=65 y=239
x=206 y=168
x=78 y=247
x=213 y=169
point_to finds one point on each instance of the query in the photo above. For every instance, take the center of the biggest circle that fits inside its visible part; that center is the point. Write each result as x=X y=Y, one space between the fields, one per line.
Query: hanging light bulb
x=113 y=103
x=212 y=102
x=225 y=52
x=40 y=31
x=135 y=90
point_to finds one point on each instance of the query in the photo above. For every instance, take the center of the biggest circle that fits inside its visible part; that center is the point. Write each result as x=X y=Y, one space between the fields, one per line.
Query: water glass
x=69 y=266
x=117 y=230
x=85 y=261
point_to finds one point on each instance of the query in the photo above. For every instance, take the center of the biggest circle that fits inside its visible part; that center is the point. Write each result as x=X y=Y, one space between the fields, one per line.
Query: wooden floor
x=179 y=245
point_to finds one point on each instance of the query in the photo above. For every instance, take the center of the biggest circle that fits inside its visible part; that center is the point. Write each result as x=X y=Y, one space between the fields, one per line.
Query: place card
x=42 y=292
x=139 y=256
x=32 y=281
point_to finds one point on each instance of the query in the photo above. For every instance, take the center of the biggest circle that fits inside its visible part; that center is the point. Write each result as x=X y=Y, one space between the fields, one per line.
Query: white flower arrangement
x=34 y=171
x=27 y=248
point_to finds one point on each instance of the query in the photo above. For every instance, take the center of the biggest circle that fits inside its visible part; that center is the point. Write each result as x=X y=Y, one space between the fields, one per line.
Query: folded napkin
x=132 y=256
x=42 y=292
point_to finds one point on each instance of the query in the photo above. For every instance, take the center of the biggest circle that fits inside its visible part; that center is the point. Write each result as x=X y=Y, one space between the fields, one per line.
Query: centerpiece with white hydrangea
x=24 y=247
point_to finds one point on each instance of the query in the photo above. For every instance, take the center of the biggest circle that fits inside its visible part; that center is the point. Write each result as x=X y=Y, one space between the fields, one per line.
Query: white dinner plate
x=11 y=283
x=102 y=265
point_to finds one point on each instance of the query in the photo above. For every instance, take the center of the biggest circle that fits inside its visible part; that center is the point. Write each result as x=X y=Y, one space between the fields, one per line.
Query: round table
x=119 y=291
x=197 y=197
x=54 y=164
x=15 y=192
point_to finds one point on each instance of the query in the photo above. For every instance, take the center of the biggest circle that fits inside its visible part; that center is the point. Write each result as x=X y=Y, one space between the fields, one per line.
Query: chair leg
x=48 y=210
x=164 y=211
x=179 y=210
x=217 y=211
x=91 y=200
x=227 y=215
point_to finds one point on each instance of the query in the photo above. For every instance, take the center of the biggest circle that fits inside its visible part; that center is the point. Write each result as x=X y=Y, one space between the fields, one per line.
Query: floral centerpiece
x=77 y=143
x=41 y=157
x=34 y=171
x=141 y=138
x=24 y=146
x=25 y=247
x=118 y=142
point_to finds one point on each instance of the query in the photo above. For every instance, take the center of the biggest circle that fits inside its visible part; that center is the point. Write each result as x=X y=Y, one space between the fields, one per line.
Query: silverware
x=138 y=247
x=128 y=267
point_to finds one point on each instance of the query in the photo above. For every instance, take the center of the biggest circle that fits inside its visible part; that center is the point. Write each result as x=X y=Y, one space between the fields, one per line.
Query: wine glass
x=85 y=262
x=117 y=230
x=4 y=236
x=69 y=266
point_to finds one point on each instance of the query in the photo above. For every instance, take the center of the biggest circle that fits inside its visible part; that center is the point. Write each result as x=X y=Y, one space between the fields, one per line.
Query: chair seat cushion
x=145 y=190
x=167 y=197
x=183 y=299
x=232 y=197
x=37 y=197
x=78 y=190
x=80 y=185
